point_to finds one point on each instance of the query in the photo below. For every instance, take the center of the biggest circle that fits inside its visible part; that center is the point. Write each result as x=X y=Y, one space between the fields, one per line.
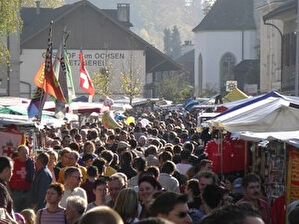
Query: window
x=227 y=64
x=200 y=74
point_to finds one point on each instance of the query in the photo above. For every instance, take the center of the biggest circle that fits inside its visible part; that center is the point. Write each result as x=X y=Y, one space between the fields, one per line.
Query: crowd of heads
x=158 y=173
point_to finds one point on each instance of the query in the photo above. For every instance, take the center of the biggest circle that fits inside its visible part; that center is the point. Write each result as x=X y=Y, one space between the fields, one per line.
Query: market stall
x=275 y=118
x=279 y=161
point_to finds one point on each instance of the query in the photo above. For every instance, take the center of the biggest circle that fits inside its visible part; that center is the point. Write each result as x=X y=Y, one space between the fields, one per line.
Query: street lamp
x=297 y=51
x=281 y=48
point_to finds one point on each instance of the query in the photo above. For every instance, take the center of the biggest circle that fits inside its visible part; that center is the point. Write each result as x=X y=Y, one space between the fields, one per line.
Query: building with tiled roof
x=105 y=37
x=225 y=37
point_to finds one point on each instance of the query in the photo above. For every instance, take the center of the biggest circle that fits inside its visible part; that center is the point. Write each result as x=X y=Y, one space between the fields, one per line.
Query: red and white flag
x=85 y=80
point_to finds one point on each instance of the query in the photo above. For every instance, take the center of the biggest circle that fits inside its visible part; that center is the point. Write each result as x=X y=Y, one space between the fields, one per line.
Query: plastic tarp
x=234 y=95
x=290 y=137
x=79 y=107
x=268 y=114
x=18 y=115
x=232 y=106
x=21 y=120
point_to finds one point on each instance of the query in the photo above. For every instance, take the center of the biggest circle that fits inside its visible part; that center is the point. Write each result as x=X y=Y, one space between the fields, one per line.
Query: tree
x=43 y=3
x=210 y=90
x=167 y=41
x=130 y=81
x=10 y=22
x=148 y=22
x=176 y=42
x=207 y=5
x=102 y=82
x=172 y=42
x=174 y=88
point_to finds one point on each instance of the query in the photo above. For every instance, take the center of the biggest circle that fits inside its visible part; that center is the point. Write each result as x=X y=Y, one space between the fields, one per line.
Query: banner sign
x=293 y=176
x=9 y=142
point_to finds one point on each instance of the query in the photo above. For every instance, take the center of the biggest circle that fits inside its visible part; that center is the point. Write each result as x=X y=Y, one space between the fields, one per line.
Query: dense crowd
x=153 y=173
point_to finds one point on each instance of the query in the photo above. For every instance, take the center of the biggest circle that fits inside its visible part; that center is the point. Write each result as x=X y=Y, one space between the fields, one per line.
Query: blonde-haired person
x=126 y=205
x=29 y=216
x=101 y=215
x=75 y=208
x=53 y=159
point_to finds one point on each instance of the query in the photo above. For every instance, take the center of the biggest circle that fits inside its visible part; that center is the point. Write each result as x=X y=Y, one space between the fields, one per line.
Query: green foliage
x=131 y=84
x=102 y=82
x=4 y=54
x=175 y=88
x=172 y=42
x=207 y=5
x=10 y=22
x=209 y=91
x=43 y=3
x=176 y=42
x=167 y=41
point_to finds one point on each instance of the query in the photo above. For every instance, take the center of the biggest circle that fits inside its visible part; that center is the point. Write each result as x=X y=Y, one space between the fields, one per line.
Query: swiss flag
x=85 y=80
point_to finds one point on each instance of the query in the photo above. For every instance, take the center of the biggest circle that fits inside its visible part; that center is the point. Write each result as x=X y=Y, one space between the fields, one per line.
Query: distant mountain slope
x=151 y=17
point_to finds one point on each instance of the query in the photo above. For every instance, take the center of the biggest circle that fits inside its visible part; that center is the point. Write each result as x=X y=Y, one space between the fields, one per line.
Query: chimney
x=37 y=3
x=123 y=12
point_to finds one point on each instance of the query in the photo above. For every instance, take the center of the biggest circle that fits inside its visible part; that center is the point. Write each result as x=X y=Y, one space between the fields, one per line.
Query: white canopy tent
x=267 y=115
x=79 y=107
x=289 y=137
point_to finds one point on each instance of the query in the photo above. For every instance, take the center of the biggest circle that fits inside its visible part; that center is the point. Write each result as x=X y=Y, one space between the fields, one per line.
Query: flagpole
x=43 y=98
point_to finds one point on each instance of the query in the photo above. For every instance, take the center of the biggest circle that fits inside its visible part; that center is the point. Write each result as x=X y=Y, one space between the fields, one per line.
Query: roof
x=229 y=15
x=246 y=65
x=34 y=23
x=267 y=113
x=188 y=56
x=187 y=60
x=290 y=6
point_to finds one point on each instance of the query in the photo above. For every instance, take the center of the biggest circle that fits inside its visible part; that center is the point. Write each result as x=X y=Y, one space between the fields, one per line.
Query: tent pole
x=221 y=154
x=245 y=157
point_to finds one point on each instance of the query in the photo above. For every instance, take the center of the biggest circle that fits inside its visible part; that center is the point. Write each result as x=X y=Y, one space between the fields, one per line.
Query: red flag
x=85 y=80
x=51 y=86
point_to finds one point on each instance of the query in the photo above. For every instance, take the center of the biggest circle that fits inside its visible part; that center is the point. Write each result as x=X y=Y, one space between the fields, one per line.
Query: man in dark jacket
x=6 y=202
x=41 y=182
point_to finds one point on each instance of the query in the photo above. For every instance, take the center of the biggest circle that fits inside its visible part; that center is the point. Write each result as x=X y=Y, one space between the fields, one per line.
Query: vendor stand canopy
x=18 y=115
x=79 y=107
x=234 y=95
x=270 y=112
x=289 y=137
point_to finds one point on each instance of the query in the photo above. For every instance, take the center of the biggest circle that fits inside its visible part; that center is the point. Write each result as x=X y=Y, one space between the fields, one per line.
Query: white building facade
x=222 y=40
x=270 y=36
x=118 y=61
x=218 y=51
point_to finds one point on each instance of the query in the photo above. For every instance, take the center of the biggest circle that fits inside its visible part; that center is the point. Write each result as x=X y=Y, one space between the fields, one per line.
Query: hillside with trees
x=151 y=17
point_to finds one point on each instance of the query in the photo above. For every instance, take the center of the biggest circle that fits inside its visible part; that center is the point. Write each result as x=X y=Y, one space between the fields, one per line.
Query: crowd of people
x=158 y=173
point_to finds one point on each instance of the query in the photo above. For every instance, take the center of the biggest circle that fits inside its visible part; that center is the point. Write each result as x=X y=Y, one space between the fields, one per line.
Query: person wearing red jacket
x=252 y=186
x=22 y=178
x=278 y=210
